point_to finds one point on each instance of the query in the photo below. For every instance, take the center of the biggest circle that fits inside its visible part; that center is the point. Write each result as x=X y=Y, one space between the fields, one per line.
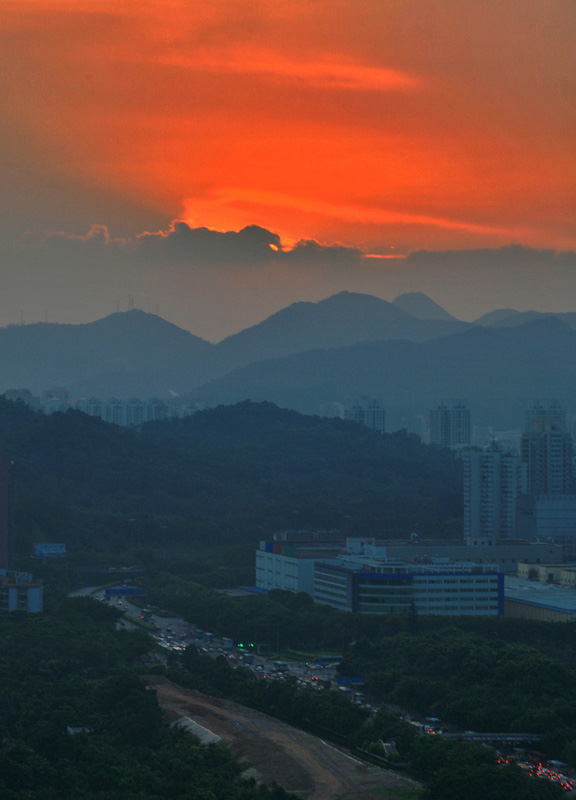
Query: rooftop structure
x=558 y=574
x=306 y=536
x=536 y=600
x=204 y=735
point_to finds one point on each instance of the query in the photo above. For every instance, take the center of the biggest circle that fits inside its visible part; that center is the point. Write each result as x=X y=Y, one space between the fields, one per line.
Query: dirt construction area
x=274 y=751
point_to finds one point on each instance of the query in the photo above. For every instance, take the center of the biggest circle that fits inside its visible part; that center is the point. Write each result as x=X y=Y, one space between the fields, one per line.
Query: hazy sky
x=362 y=127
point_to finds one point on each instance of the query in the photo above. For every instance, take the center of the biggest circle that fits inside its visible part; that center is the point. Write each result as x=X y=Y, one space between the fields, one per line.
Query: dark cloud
x=309 y=251
x=181 y=245
x=192 y=245
x=96 y=238
x=215 y=283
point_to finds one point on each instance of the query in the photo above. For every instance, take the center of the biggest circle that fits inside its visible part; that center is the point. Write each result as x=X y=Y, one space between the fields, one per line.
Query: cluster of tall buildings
x=131 y=412
x=449 y=423
x=530 y=494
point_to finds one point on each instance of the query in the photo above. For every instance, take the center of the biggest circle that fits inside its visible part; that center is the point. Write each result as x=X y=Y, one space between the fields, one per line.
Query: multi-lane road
x=175 y=634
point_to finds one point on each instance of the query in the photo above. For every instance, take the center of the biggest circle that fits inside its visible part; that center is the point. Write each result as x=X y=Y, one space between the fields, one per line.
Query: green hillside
x=227 y=475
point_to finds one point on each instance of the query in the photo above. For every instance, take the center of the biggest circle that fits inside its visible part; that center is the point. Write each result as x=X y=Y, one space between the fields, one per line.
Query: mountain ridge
x=500 y=370
x=369 y=345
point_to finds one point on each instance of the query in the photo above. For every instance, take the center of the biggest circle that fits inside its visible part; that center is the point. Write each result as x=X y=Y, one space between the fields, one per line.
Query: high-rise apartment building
x=493 y=482
x=542 y=414
x=546 y=449
x=367 y=412
x=450 y=424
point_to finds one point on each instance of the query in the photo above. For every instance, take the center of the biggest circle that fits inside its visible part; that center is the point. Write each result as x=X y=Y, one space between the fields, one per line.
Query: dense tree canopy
x=231 y=474
x=71 y=667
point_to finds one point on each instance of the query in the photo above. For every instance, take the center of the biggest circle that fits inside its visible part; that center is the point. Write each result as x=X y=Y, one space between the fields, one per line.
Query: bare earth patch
x=297 y=761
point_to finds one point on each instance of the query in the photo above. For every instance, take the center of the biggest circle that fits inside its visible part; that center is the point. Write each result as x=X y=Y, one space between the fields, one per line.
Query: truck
x=227 y=644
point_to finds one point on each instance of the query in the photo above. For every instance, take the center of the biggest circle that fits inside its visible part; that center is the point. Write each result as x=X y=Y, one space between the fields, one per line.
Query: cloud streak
x=328 y=73
x=355 y=212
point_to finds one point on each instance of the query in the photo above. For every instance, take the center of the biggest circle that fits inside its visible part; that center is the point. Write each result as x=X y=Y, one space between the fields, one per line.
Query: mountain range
x=311 y=355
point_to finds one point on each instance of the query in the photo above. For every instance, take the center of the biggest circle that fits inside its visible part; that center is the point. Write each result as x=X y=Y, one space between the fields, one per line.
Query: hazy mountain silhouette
x=127 y=343
x=499 y=372
x=305 y=356
x=343 y=319
x=508 y=317
x=420 y=305
x=139 y=354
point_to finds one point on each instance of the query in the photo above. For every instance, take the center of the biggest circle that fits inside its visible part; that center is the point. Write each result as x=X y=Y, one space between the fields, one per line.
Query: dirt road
x=297 y=761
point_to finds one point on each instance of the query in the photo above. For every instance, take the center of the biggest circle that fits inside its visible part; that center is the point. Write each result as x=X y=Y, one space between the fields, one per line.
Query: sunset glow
x=405 y=124
x=379 y=127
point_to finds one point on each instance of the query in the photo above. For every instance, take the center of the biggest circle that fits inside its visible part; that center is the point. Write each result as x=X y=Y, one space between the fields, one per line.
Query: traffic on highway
x=173 y=634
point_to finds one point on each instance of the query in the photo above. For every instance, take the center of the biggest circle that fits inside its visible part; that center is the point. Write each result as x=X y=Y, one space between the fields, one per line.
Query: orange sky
x=391 y=125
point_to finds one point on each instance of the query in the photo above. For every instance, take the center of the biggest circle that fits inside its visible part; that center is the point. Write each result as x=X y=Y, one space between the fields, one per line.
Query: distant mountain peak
x=510 y=318
x=420 y=305
x=357 y=301
x=137 y=322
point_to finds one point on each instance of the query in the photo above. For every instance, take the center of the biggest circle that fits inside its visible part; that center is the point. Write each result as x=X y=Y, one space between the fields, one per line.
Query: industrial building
x=361 y=576
x=288 y=561
x=368 y=587
x=289 y=567
x=547 y=602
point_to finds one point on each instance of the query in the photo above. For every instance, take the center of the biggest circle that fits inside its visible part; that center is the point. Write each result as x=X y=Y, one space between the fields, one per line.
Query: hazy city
x=287 y=400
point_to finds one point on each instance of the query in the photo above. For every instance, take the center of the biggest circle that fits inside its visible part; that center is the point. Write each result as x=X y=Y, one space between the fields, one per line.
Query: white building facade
x=446 y=589
x=493 y=482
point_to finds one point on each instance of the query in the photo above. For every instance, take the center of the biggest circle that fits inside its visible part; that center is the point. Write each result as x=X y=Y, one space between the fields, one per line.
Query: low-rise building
x=560 y=574
x=550 y=518
x=289 y=566
x=539 y=600
x=20 y=592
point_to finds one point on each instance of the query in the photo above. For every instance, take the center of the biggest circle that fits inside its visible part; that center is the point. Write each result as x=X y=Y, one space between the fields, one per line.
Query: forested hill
x=238 y=471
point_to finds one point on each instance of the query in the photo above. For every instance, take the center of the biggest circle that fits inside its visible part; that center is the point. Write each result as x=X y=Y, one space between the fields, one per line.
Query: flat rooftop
x=546 y=595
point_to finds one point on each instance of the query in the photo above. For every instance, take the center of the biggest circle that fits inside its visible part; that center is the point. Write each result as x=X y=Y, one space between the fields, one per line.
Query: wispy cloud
x=328 y=72
x=348 y=212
